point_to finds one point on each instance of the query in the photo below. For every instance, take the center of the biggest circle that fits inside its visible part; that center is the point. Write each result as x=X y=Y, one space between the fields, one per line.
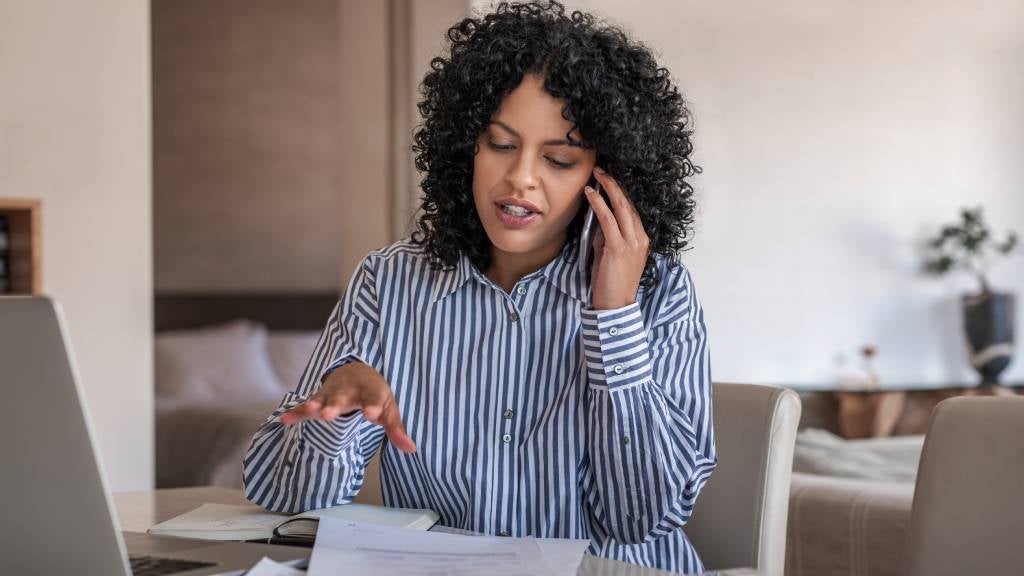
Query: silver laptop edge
x=59 y=515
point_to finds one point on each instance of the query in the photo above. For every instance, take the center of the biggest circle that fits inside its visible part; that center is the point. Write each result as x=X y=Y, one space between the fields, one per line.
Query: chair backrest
x=968 y=511
x=740 y=516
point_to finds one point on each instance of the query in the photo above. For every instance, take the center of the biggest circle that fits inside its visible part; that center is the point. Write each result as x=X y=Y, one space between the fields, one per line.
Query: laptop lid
x=58 y=518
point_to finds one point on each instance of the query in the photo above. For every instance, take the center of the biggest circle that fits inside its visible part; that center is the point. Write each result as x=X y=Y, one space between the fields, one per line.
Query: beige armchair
x=740 y=517
x=968 y=511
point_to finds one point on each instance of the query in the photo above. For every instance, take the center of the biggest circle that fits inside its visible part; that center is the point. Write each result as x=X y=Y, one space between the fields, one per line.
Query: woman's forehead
x=529 y=112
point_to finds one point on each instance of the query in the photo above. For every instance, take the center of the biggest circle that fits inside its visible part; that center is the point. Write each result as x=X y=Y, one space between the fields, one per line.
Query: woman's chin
x=509 y=245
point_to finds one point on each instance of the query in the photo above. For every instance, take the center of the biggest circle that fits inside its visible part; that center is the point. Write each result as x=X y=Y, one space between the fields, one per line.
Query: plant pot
x=988 y=325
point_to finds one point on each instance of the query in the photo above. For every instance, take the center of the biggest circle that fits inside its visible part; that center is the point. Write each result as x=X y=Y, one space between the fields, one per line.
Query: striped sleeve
x=649 y=395
x=317 y=464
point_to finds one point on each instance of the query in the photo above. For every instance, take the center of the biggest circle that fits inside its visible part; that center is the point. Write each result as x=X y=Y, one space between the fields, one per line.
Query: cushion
x=222 y=362
x=289 y=353
x=891 y=459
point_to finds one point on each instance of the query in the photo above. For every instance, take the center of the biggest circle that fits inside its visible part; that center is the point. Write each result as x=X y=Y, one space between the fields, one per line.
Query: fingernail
x=588 y=190
x=598 y=169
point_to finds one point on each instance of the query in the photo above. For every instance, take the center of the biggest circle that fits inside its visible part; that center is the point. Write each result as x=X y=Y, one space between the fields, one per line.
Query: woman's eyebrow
x=562 y=142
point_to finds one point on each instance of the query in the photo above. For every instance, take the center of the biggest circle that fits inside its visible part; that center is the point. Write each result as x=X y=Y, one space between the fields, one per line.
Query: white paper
x=362 y=549
x=267 y=567
x=564 y=555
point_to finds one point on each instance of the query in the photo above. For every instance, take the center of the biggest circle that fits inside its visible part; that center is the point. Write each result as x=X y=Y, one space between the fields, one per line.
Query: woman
x=522 y=391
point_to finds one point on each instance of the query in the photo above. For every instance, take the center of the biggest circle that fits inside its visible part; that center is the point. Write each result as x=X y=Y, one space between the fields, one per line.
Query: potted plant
x=969 y=246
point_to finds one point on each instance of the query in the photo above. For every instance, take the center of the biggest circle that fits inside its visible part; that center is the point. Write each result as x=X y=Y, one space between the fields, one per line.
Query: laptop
x=57 y=512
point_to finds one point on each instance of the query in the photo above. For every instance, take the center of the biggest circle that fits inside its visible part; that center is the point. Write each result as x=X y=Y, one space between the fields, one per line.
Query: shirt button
x=504 y=533
x=506 y=438
x=521 y=290
x=613 y=331
x=508 y=414
x=618 y=368
x=513 y=317
x=625 y=439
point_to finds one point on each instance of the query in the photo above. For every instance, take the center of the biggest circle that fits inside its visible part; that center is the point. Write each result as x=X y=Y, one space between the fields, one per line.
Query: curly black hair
x=624 y=105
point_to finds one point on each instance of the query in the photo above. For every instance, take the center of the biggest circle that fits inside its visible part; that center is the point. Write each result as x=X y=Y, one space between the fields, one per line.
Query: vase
x=988 y=325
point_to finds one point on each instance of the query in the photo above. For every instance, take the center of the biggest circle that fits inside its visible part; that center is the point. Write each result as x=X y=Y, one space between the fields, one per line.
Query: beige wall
x=282 y=135
x=250 y=192
x=364 y=157
x=75 y=133
x=421 y=36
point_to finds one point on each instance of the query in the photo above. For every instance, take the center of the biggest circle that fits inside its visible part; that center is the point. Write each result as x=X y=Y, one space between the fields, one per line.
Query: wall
x=75 y=133
x=420 y=33
x=364 y=159
x=282 y=135
x=834 y=137
x=247 y=159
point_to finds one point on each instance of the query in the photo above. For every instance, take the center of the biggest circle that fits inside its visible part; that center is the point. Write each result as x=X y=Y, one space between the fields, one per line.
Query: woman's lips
x=510 y=221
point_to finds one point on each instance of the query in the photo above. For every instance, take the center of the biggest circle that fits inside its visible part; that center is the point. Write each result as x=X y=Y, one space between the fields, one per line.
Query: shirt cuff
x=615 y=347
x=331 y=437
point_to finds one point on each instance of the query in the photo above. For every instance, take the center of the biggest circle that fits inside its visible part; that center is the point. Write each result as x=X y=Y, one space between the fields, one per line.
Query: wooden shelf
x=23 y=255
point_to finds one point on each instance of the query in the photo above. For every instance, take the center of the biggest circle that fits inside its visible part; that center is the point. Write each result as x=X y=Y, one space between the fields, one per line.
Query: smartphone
x=585 y=234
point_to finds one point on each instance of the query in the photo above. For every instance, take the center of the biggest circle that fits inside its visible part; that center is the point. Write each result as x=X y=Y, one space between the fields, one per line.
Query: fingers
x=383 y=410
x=337 y=404
x=626 y=217
x=307 y=410
x=322 y=405
x=376 y=401
x=391 y=420
x=609 y=227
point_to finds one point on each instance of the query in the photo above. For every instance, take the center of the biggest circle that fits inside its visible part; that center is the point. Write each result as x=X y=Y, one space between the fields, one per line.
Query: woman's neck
x=507 y=268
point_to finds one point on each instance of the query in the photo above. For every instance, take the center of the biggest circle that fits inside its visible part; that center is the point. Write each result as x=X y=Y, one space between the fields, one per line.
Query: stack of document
x=352 y=548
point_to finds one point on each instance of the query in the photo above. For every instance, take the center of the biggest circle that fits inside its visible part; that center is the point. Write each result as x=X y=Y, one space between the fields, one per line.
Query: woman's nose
x=523 y=174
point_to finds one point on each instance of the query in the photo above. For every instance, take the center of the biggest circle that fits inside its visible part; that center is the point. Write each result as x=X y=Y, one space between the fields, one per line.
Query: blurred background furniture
x=21 y=264
x=968 y=512
x=223 y=363
x=851 y=499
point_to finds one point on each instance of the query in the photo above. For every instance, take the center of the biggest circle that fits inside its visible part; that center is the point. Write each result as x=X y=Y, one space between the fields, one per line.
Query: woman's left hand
x=620 y=246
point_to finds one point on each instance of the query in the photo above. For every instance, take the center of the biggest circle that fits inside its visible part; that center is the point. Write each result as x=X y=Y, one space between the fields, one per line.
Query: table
x=137 y=511
x=891 y=410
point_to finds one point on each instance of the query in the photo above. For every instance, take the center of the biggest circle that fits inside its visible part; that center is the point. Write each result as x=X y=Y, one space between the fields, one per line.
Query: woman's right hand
x=352 y=387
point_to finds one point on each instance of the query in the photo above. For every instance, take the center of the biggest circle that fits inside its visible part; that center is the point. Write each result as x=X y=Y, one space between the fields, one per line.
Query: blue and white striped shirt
x=513 y=436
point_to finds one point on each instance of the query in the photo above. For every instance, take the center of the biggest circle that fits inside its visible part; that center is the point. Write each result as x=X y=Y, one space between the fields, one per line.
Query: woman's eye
x=505 y=147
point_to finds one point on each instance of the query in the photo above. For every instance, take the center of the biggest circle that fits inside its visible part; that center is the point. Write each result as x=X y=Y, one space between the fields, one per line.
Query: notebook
x=231 y=522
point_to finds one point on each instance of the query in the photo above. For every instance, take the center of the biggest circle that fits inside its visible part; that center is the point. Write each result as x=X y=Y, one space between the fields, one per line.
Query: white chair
x=740 y=516
x=968 y=511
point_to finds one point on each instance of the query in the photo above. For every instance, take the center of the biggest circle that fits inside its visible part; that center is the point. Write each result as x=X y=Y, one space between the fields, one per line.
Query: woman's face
x=527 y=178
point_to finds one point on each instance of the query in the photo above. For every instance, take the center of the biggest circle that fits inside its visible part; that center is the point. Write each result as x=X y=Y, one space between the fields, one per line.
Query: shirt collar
x=563 y=272
x=449 y=281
